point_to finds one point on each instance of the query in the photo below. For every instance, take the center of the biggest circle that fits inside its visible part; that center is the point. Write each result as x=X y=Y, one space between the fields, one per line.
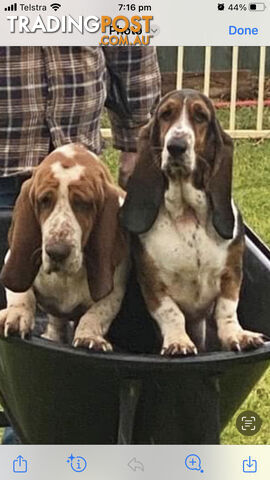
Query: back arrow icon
x=135 y=465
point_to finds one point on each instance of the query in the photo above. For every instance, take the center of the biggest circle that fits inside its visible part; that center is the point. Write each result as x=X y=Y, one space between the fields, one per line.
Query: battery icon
x=257 y=7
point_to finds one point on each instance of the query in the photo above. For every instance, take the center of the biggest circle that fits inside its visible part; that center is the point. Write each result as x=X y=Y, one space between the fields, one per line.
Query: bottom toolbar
x=123 y=462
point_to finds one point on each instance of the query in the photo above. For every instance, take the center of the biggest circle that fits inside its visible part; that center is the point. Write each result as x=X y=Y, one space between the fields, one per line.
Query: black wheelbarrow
x=58 y=395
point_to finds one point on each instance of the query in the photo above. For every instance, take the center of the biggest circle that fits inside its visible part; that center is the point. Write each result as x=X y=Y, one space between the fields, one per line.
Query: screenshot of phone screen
x=134 y=240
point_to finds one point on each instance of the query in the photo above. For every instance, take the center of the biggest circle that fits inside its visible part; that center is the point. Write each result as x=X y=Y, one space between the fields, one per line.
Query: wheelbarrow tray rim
x=124 y=363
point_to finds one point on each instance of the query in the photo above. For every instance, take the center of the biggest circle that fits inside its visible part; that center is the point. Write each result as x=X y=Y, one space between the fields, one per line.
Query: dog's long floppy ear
x=24 y=258
x=220 y=185
x=146 y=186
x=105 y=247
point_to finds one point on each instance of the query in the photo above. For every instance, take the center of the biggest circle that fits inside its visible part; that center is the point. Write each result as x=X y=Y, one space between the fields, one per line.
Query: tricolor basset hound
x=68 y=254
x=189 y=236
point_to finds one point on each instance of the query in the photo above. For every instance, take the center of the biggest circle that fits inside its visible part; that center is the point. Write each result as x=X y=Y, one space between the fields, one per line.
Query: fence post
x=180 y=68
x=207 y=70
x=261 y=88
x=234 y=87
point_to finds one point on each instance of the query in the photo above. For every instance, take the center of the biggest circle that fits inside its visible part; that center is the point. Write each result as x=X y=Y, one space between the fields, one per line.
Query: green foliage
x=257 y=401
x=110 y=156
x=251 y=184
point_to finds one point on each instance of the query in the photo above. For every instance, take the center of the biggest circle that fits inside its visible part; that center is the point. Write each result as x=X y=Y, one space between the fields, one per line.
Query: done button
x=244 y=31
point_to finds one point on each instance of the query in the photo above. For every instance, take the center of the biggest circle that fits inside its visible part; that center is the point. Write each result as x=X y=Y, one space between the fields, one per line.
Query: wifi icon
x=55 y=6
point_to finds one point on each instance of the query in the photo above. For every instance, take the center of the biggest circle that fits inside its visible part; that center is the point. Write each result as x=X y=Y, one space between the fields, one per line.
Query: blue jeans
x=9 y=189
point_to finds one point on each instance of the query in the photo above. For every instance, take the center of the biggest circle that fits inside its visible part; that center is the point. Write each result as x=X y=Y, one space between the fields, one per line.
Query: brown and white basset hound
x=68 y=253
x=189 y=236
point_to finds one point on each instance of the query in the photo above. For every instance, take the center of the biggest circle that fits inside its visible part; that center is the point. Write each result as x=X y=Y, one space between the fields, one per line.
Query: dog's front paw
x=18 y=320
x=180 y=346
x=241 y=340
x=92 y=342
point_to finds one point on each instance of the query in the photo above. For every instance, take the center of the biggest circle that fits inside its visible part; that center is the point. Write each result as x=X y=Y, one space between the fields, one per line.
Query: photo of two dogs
x=75 y=234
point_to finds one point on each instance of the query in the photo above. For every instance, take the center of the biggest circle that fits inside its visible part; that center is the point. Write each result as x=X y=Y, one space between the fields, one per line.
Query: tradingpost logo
x=119 y=30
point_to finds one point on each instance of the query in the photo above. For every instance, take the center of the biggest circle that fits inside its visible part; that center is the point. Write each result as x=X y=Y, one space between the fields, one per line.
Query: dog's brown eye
x=166 y=114
x=45 y=201
x=81 y=204
x=200 y=117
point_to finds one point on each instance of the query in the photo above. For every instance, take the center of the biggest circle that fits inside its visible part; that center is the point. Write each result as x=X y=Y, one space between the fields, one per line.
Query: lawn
x=245 y=117
x=251 y=192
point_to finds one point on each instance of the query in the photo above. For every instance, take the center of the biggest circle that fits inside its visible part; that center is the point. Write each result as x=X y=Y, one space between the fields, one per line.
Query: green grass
x=251 y=184
x=110 y=157
x=246 y=117
x=257 y=401
x=251 y=192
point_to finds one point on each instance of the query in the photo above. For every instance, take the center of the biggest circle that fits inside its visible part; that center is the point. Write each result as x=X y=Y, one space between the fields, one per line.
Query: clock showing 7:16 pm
x=131 y=7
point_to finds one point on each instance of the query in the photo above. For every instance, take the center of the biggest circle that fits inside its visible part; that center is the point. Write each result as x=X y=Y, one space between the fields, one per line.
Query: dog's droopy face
x=66 y=196
x=183 y=140
x=185 y=120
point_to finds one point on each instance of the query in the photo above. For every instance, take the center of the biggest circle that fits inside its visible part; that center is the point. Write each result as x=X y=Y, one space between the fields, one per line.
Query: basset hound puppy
x=188 y=234
x=68 y=253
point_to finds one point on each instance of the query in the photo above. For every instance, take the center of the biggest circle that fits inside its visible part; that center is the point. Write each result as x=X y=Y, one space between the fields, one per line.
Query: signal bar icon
x=11 y=8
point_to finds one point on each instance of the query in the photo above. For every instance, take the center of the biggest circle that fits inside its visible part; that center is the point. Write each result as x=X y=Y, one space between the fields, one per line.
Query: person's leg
x=8 y=193
x=10 y=437
x=9 y=189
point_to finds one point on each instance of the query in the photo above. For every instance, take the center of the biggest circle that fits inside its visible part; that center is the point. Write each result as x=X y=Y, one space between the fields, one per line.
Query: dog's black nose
x=177 y=146
x=58 y=251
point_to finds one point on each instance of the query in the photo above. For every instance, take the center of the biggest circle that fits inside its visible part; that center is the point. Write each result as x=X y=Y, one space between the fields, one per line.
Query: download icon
x=250 y=465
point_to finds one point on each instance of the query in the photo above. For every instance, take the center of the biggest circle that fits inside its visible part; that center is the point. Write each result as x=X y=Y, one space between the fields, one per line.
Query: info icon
x=221 y=6
x=248 y=423
x=77 y=464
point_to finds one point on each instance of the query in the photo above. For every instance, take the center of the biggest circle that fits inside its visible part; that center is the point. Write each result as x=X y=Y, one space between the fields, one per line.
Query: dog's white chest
x=63 y=292
x=189 y=262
